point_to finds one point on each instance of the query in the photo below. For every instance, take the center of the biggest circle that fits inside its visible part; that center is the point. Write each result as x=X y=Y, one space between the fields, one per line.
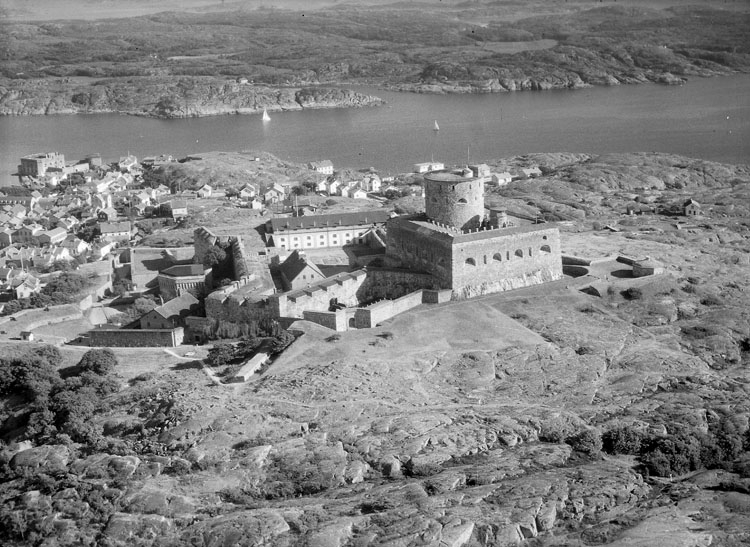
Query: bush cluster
x=60 y=409
x=684 y=450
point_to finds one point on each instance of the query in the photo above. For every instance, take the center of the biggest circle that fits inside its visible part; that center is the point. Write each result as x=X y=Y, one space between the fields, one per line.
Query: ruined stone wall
x=345 y=288
x=136 y=338
x=510 y=260
x=329 y=319
x=203 y=240
x=238 y=310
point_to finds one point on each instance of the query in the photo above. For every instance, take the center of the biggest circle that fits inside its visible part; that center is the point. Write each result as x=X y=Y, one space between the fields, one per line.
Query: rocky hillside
x=546 y=416
x=164 y=98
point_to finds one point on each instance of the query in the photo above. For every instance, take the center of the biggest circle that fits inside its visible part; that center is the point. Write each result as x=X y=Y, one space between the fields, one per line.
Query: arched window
x=471 y=262
x=462 y=200
x=519 y=253
x=544 y=237
x=529 y=251
x=498 y=257
x=546 y=249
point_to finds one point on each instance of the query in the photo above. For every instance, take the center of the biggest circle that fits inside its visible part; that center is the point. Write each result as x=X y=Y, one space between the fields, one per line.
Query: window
x=462 y=200
x=485 y=259
x=519 y=253
x=546 y=249
x=529 y=251
x=471 y=262
x=498 y=257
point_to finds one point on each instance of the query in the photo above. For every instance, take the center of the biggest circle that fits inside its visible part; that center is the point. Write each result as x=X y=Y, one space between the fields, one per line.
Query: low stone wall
x=329 y=319
x=568 y=260
x=136 y=338
x=436 y=296
x=374 y=314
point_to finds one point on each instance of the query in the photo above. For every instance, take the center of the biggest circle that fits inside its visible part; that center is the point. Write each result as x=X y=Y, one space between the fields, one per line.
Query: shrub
x=622 y=440
x=554 y=430
x=98 y=361
x=588 y=441
x=632 y=293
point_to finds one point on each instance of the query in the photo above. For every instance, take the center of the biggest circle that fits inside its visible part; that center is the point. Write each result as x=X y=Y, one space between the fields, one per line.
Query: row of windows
x=499 y=257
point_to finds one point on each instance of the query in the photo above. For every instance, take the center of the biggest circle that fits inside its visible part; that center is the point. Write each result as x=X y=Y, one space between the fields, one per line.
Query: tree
x=221 y=354
x=215 y=255
x=101 y=361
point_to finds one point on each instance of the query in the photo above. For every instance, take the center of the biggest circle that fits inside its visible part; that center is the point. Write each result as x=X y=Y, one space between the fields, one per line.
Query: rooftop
x=181 y=270
x=376 y=216
x=420 y=224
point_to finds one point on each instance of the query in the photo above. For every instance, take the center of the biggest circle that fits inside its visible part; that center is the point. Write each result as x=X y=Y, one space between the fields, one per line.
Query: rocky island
x=242 y=59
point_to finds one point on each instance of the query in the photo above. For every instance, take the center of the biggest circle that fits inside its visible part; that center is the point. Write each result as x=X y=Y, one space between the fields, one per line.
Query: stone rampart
x=136 y=338
x=334 y=320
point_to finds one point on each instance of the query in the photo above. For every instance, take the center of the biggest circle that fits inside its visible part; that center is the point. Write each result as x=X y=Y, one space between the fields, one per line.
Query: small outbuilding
x=642 y=268
x=692 y=208
x=27 y=335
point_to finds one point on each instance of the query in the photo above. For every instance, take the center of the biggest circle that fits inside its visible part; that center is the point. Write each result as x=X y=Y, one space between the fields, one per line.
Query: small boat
x=266 y=117
x=436 y=127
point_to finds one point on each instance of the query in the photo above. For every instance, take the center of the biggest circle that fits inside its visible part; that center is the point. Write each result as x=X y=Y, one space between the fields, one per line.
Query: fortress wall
x=405 y=303
x=330 y=319
x=369 y=317
x=239 y=258
x=413 y=250
x=506 y=262
x=136 y=338
x=203 y=240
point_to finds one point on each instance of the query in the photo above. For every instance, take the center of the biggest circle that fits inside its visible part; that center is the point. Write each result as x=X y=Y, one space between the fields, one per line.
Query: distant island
x=241 y=60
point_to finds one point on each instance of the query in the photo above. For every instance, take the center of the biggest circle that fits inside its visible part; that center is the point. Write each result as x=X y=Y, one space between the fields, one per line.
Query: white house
x=502 y=178
x=324 y=166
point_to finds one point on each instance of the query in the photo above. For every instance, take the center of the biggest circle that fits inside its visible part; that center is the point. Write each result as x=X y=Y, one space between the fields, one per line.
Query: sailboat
x=266 y=117
x=436 y=127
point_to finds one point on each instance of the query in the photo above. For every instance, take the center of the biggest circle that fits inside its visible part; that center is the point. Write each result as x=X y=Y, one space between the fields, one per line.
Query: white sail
x=436 y=127
x=266 y=117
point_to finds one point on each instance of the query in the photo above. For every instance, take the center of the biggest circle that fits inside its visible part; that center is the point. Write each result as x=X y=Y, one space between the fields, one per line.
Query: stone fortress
x=456 y=249
x=466 y=249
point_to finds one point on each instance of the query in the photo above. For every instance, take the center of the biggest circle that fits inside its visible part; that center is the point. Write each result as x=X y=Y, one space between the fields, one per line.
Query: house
x=204 y=191
x=255 y=204
x=296 y=272
x=6 y=237
x=325 y=167
x=172 y=314
x=274 y=194
x=48 y=256
x=115 y=231
x=75 y=245
x=692 y=208
x=176 y=208
x=428 y=167
x=333 y=187
x=248 y=191
x=102 y=201
x=358 y=193
x=52 y=237
x=501 y=178
x=127 y=163
x=161 y=190
x=25 y=286
x=106 y=215
x=530 y=172
x=27 y=234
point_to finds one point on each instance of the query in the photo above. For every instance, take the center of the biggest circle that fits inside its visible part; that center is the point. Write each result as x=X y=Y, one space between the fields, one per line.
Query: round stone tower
x=455 y=198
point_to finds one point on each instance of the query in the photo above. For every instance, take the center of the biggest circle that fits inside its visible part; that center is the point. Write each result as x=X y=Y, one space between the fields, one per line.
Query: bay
x=705 y=118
